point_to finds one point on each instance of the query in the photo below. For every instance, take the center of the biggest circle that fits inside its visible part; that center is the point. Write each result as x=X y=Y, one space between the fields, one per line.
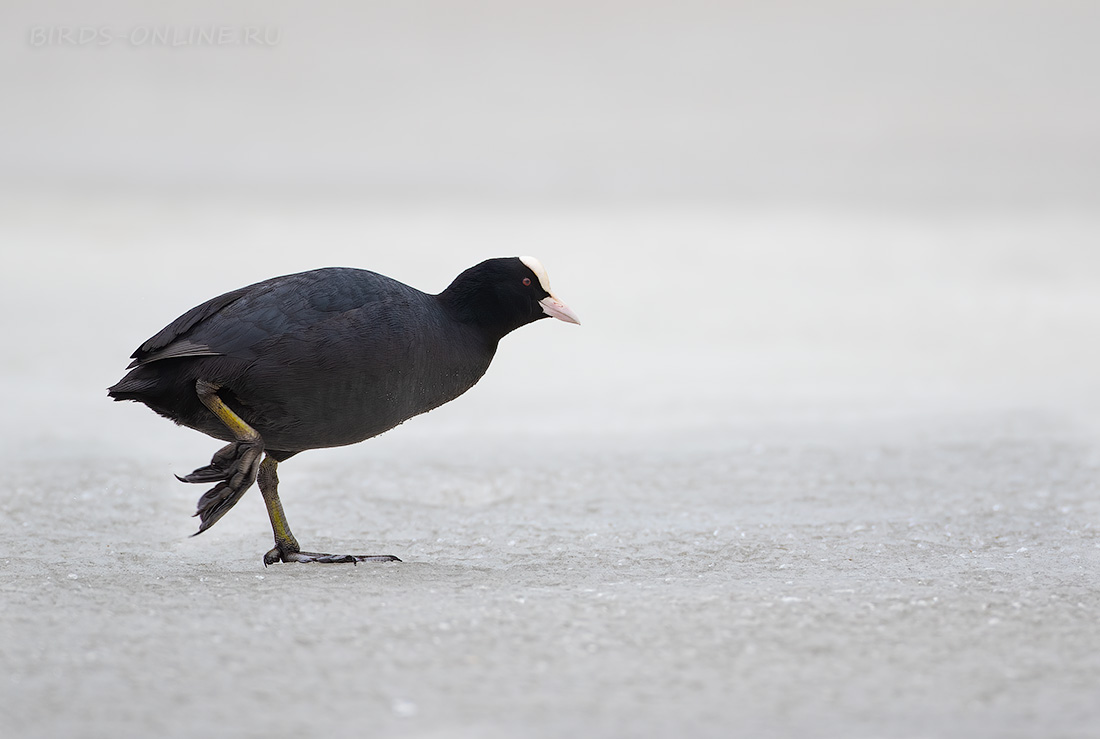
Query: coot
x=321 y=359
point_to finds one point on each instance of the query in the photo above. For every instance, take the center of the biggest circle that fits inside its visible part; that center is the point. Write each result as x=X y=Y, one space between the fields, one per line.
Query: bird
x=324 y=358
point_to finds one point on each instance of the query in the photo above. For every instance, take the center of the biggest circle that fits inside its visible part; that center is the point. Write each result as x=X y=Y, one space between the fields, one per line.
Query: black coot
x=320 y=359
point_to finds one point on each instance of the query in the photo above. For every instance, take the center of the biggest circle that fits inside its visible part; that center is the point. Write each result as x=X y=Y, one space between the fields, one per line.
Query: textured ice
x=912 y=588
x=840 y=491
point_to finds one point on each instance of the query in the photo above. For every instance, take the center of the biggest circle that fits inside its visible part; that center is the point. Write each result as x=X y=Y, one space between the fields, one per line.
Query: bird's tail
x=138 y=384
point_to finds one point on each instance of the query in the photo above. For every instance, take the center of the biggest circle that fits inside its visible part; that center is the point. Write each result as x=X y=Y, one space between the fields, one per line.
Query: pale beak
x=551 y=306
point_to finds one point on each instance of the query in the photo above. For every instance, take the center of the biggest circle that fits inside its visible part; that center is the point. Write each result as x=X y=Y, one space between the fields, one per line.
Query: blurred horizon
x=840 y=103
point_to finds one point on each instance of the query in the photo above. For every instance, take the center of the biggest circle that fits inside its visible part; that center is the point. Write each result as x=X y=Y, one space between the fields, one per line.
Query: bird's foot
x=234 y=466
x=221 y=466
x=284 y=555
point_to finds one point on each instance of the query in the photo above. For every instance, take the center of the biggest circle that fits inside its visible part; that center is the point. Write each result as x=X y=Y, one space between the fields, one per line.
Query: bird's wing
x=231 y=324
x=169 y=341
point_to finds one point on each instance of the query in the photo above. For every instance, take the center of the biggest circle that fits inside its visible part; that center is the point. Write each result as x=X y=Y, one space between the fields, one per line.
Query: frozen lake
x=800 y=473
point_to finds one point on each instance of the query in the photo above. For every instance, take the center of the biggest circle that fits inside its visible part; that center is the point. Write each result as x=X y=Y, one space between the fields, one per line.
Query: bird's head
x=500 y=295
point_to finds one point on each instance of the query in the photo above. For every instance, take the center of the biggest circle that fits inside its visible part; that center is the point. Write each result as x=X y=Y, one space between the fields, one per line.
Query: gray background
x=821 y=460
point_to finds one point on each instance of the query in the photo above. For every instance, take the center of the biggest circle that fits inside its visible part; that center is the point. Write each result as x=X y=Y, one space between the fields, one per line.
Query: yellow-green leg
x=208 y=394
x=285 y=543
x=286 y=546
x=234 y=466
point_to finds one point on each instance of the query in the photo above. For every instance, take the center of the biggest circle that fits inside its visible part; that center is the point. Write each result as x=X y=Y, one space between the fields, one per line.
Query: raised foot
x=278 y=555
x=234 y=466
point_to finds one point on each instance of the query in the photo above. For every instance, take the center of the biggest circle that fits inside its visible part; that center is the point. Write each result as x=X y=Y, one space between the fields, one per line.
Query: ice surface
x=919 y=587
x=802 y=475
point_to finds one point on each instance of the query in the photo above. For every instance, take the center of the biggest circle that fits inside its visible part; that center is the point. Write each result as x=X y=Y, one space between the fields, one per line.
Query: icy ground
x=795 y=476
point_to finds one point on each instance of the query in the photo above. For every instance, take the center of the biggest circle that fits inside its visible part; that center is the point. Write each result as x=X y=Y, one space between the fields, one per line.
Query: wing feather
x=233 y=323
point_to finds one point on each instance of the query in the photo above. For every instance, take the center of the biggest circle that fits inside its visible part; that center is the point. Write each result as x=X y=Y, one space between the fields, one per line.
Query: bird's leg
x=234 y=465
x=286 y=546
x=285 y=543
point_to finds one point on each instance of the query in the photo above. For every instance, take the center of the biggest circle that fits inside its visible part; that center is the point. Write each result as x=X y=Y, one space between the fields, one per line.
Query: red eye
x=527 y=281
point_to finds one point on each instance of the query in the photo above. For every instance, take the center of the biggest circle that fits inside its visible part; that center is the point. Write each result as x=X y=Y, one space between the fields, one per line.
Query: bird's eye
x=526 y=281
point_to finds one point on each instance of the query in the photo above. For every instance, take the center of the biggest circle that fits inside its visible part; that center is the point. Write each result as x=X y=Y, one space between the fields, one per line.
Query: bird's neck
x=479 y=307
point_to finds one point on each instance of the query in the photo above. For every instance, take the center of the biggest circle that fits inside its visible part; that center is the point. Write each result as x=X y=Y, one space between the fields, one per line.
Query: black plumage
x=324 y=358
